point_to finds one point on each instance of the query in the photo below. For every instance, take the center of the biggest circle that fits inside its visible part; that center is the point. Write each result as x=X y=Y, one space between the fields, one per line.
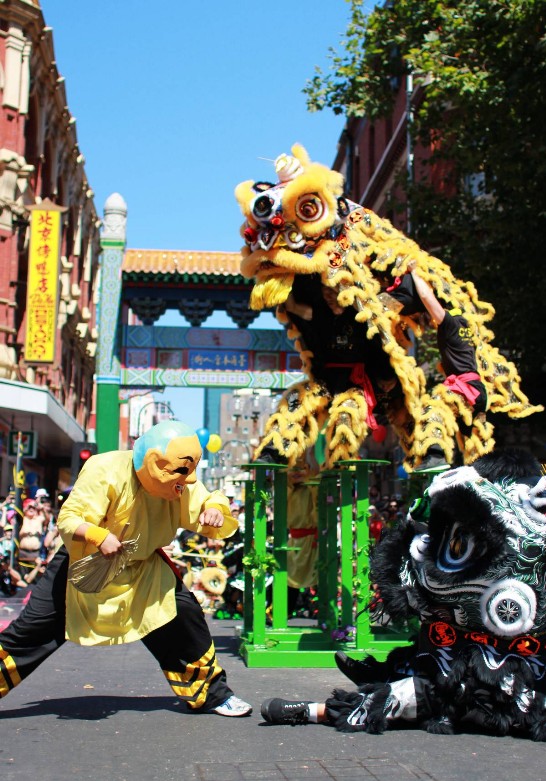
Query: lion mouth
x=280 y=261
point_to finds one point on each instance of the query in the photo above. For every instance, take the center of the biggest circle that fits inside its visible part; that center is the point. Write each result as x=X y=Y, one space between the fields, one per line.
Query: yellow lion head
x=291 y=226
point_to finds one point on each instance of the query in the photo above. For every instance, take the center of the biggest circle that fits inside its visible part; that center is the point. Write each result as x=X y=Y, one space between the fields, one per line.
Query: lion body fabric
x=303 y=227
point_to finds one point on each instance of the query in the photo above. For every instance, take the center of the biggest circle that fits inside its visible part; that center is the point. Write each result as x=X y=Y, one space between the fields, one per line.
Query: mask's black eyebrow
x=183 y=470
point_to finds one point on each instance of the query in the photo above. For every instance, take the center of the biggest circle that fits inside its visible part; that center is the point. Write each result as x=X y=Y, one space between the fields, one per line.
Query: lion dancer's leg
x=295 y=426
x=479 y=439
x=435 y=430
x=403 y=424
x=448 y=418
x=347 y=426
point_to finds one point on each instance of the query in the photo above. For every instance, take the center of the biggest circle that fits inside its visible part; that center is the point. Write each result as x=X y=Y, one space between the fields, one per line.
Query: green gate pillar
x=107 y=377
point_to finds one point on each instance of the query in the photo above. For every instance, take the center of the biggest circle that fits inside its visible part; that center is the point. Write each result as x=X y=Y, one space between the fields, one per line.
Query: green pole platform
x=343 y=570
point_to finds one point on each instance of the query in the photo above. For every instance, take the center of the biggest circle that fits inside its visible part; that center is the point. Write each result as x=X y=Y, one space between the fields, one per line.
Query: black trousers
x=183 y=647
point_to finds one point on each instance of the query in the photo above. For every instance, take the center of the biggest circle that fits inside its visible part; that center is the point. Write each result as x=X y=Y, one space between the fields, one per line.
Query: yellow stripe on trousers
x=192 y=685
x=9 y=677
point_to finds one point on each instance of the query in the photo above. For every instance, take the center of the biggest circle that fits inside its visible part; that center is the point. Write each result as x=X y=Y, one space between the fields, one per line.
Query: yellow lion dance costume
x=303 y=225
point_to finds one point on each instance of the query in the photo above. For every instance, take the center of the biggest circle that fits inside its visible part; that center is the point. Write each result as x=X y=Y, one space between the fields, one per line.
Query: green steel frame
x=344 y=588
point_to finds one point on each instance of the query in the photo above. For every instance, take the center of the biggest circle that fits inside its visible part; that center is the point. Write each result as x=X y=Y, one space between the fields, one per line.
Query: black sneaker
x=432 y=463
x=358 y=672
x=270 y=456
x=278 y=711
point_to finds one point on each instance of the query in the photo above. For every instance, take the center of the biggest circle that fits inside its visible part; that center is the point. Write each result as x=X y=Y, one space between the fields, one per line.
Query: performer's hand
x=412 y=265
x=110 y=546
x=211 y=517
x=301 y=310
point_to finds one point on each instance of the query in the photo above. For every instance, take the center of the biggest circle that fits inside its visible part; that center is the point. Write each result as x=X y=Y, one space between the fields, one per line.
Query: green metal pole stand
x=343 y=502
x=280 y=548
x=368 y=638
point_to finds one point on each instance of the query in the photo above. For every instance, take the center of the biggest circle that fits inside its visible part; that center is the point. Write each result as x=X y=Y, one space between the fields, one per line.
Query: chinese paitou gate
x=148 y=283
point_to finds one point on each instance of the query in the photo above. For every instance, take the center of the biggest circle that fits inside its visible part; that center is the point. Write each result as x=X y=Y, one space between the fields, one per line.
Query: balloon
x=379 y=434
x=203 y=435
x=214 y=444
x=401 y=472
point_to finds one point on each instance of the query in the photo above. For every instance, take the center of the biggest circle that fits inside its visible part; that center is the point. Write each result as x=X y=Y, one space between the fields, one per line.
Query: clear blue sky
x=176 y=102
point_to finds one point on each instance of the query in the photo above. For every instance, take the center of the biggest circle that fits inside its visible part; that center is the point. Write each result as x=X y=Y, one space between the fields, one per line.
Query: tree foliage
x=481 y=67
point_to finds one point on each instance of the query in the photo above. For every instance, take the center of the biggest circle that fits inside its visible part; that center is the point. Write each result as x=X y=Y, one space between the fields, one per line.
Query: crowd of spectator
x=385 y=512
x=29 y=538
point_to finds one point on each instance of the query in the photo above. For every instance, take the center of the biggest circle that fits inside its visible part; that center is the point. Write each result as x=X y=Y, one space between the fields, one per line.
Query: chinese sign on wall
x=43 y=283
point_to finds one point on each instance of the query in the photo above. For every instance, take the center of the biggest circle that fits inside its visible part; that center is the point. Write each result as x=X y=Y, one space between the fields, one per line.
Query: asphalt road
x=107 y=714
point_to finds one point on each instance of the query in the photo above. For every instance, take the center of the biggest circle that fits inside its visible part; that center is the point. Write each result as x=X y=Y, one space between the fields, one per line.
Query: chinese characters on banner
x=43 y=282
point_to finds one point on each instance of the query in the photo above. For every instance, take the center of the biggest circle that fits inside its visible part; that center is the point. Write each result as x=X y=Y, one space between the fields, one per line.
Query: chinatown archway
x=141 y=285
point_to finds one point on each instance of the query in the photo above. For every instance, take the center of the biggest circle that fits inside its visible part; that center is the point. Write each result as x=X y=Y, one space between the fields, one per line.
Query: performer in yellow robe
x=144 y=495
x=301 y=520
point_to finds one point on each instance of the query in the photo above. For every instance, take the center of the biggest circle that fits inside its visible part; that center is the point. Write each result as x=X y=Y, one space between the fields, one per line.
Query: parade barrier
x=344 y=589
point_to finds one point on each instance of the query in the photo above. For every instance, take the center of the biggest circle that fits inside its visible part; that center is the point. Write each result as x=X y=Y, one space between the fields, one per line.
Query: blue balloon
x=203 y=435
x=401 y=472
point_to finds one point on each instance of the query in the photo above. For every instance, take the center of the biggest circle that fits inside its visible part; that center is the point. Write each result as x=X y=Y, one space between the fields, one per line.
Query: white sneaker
x=233 y=706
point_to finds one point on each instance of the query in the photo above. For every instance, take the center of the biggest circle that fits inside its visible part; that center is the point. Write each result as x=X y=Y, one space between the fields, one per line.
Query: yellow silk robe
x=302 y=514
x=141 y=598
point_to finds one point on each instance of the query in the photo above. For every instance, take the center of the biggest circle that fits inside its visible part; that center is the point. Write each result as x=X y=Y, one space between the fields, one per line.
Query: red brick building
x=40 y=159
x=372 y=154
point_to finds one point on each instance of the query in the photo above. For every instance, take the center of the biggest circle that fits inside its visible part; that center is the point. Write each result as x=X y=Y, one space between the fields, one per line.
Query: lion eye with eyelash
x=457 y=550
x=263 y=207
x=310 y=208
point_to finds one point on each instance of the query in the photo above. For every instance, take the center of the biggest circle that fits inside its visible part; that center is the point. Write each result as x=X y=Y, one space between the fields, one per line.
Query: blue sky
x=176 y=102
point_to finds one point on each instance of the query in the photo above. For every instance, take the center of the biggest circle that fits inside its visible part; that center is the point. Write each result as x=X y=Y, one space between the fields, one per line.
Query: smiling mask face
x=168 y=464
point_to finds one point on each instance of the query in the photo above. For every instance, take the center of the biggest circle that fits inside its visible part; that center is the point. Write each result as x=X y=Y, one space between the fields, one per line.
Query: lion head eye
x=263 y=207
x=310 y=208
x=457 y=550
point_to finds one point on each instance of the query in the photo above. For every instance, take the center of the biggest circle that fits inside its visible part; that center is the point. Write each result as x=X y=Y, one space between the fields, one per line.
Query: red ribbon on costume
x=458 y=383
x=359 y=377
x=297 y=533
x=397 y=282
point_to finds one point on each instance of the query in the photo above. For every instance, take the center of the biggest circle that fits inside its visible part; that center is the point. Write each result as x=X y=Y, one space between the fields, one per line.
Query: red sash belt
x=169 y=562
x=297 y=533
x=359 y=377
x=458 y=383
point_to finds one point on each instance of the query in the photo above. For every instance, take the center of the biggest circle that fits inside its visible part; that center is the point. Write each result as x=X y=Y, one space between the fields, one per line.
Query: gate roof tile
x=157 y=261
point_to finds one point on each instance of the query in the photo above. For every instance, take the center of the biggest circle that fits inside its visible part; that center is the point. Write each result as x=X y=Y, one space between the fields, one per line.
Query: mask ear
x=149 y=470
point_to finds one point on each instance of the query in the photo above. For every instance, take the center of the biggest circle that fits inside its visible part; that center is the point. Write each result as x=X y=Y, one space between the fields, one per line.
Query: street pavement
x=108 y=714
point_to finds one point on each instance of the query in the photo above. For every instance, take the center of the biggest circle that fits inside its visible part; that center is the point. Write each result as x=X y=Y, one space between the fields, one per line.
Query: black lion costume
x=470 y=562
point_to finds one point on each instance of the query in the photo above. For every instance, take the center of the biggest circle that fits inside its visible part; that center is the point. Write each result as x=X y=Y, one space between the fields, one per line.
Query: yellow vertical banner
x=43 y=282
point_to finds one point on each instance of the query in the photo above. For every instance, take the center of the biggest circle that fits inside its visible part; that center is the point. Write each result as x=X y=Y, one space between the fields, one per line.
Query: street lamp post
x=160 y=407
